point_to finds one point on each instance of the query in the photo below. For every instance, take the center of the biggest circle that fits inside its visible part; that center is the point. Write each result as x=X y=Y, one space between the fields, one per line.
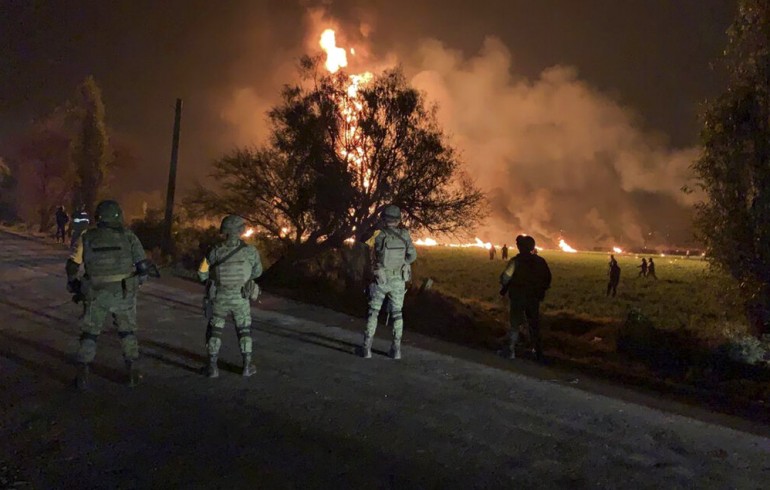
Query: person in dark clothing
x=61 y=223
x=504 y=251
x=614 y=275
x=492 y=252
x=80 y=223
x=651 y=269
x=643 y=268
x=526 y=280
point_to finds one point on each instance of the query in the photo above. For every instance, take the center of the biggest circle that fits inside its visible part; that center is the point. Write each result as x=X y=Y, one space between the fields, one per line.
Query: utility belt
x=128 y=283
x=383 y=275
x=249 y=291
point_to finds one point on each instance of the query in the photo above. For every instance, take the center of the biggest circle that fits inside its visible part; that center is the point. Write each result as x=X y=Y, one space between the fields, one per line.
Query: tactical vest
x=391 y=253
x=107 y=255
x=234 y=272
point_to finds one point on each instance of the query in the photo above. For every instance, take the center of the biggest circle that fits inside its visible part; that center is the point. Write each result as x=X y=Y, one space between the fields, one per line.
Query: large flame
x=352 y=147
x=565 y=247
x=427 y=242
x=617 y=250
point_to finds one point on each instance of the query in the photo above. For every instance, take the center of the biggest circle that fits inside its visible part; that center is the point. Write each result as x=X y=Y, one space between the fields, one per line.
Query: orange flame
x=427 y=242
x=249 y=232
x=335 y=56
x=565 y=247
x=617 y=250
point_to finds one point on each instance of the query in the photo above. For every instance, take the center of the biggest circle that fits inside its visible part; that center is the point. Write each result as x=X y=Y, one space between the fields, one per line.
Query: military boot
x=395 y=350
x=212 y=371
x=366 y=348
x=134 y=376
x=248 y=367
x=81 y=380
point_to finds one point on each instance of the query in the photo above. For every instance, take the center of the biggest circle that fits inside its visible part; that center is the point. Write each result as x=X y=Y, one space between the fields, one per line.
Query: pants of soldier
x=123 y=311
x=612 y=287
x=239 y=307
x=394 y=289
x=525 y=310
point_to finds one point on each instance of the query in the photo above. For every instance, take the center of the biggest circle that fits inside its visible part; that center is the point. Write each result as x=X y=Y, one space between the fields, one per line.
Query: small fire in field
x=565 y=247
x=617 y=250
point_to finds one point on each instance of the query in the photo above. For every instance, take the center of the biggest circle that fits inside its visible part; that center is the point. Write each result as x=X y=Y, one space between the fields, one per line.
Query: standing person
x=115 y=266
x=394 y=253
x=526 y=280
x=614 y=275
x=80 y=223
x=642 y=268
x=651 y=269
x=229 y=271
x=492 y=252
x=61 y=223
x=504 y=251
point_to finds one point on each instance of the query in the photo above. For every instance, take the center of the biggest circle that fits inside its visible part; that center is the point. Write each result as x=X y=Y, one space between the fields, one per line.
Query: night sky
x=650 y=57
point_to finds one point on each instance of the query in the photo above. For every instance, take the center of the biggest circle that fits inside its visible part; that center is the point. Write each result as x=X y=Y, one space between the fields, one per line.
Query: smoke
x=557 y=157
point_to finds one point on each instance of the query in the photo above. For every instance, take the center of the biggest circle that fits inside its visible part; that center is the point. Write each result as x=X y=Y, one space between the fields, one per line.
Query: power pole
x=168 y=245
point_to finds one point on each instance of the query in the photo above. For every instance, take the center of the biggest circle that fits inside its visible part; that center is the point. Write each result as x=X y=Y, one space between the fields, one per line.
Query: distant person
x=504 y=252
x=614 y=275
x=651 y=269
x=526 y=280
x=492 y=252
x=80 y=223
x=643 y=268
x=62 y=218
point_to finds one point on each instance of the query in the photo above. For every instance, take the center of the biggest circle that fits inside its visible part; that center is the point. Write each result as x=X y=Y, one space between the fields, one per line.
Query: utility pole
x=168 y=245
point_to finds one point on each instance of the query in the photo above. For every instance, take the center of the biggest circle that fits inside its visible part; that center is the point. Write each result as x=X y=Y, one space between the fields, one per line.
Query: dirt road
x=314 y=416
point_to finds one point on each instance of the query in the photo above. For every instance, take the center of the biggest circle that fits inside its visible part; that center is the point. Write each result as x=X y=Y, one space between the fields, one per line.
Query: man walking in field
x=504 y=251
x=526 y=280
x=643 y=268
x=614 y=275
x=651 y=269
x=492 y=252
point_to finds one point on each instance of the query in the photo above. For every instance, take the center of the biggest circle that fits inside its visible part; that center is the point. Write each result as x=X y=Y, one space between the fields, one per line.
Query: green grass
x=686 y=295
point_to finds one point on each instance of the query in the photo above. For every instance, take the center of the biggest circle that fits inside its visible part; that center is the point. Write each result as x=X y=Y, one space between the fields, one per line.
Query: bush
x=747 y=349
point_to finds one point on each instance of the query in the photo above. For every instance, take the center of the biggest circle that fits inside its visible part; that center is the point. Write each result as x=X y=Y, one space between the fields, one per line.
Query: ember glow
x=249 y=232
x=565 y=247
x=352 y=146
x=617 y=250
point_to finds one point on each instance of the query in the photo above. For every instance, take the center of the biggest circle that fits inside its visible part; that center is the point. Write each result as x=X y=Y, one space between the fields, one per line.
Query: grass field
x=687 y=295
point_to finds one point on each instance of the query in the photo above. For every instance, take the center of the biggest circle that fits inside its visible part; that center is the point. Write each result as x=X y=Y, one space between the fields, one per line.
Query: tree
x=734 y=169
x=341 y=149
x=90 y=148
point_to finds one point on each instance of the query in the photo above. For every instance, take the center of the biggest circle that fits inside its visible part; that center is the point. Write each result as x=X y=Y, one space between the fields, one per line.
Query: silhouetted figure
x=614 y=274
x=651 y=269
x=492 y=252
x=61 y=223
x=80 y=223
x=504 y=252
x=643 y=268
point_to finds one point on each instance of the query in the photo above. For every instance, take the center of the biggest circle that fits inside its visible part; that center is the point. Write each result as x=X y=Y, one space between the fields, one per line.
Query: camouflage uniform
x=113 y=259
x=526 y=277
x=230 y=269
x=394 y=253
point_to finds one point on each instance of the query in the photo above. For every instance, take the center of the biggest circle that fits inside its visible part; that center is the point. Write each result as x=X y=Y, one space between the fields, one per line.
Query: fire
x=565 y=247
x=352 y=147
x=428 y=242
x=249 y=232
x=617 y=250
x=335 y=56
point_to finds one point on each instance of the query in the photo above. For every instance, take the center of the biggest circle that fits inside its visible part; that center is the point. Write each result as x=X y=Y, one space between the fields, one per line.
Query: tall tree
x=341 y=149
x=91 y=147
x=734 y=169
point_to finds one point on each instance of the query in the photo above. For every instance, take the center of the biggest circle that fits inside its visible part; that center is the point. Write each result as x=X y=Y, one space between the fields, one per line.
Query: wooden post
x=168 y=245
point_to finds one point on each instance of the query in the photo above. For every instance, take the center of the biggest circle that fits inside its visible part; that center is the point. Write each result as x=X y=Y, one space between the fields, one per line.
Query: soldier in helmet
x=394 y=253
x=115 y=266
x=526 y=279
x=230 y=269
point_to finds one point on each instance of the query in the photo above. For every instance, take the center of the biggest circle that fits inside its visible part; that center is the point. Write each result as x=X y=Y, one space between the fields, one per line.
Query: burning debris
x=617 y=250
x=565 y=247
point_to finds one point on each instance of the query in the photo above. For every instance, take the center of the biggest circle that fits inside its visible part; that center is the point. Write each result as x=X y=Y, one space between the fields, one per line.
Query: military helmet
x=525 y=243
x=391 y=212
x=109 y=212
x=232 y=224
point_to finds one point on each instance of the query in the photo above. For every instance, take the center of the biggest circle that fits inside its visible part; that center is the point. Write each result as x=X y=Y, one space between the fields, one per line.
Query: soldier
x=229 y=270
x=642 y=268
x=393 y=255
x=115 y=266
x=504 y=252
x=61 y=223
x=525 y=279
x=80 y=223
x=651 y=269
x=614 y=275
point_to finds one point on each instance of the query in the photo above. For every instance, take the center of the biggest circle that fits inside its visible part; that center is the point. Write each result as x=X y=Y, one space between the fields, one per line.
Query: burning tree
x=734 y=169
x=342 y=147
